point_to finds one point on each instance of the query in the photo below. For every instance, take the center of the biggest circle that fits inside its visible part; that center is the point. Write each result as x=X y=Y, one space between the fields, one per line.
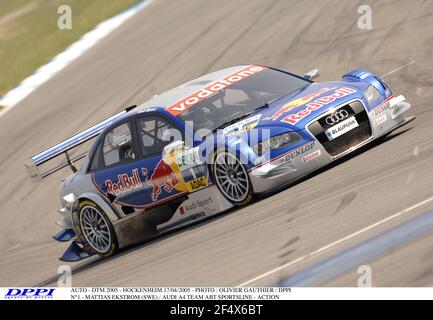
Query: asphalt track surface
x=171 y=42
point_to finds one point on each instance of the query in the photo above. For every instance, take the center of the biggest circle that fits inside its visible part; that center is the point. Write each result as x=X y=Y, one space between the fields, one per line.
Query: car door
x=163 y=178
x=115 y=167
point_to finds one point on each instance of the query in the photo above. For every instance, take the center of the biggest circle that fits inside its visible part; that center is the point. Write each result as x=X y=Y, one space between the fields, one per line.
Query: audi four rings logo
x=336 y=117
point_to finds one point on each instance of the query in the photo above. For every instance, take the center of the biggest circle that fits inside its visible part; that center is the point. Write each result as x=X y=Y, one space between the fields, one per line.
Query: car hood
x=296 y=110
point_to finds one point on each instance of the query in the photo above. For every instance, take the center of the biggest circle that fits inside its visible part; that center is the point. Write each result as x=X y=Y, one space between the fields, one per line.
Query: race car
x=208 y=145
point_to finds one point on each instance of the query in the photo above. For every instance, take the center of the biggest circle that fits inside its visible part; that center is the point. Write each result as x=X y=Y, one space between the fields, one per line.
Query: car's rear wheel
x=232 y=178
x=97 y=229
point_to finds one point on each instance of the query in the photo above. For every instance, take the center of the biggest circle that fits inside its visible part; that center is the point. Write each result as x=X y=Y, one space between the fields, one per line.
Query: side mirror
x=175 y=145
x=312 y=74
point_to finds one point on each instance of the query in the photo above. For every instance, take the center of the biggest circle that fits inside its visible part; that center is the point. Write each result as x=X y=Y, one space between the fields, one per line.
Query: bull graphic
x=163 y=176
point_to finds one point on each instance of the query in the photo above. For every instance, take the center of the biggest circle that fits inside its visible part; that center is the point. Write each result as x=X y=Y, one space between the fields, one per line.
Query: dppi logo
x=29 y=293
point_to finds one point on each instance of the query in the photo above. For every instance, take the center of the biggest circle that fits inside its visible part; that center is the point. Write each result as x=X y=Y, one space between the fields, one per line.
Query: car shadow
x=96 y=261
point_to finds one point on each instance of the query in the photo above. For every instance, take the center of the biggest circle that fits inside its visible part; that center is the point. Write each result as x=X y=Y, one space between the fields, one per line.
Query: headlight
x=276 y=142
x=69 y=200
x=371 y=94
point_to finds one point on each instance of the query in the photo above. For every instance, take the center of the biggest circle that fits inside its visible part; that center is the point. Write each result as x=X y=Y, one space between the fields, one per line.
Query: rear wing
x=33 y=165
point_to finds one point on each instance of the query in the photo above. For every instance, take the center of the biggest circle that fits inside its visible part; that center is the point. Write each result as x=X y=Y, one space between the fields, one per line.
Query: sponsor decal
x=29 y=293
x=169 y=174
x=164 y=177
x=188 y=159
x=318 y=104
x=386 y=105
x=153 y=109
x=120 y=139
x=297 y=103
x=242 y=126
x=196 y=205
x=312 y=156
x=380 y=120
x=182 y=211
x=196 y=184
x=381 y=109
x=298 y=152
x=125 y=183
x=341 y=128
x=210 y=90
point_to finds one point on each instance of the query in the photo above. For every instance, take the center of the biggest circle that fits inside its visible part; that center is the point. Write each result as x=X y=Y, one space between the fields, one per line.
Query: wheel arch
x=109 y=215
x=98 y=200
x=236 y=146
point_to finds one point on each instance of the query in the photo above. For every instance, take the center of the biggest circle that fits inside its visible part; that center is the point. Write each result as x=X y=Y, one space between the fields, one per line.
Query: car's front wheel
x=232 y=178
x=97 y=229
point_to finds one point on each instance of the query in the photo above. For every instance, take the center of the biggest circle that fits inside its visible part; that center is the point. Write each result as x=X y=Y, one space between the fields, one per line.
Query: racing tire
x=96 y=229
x=232 y=178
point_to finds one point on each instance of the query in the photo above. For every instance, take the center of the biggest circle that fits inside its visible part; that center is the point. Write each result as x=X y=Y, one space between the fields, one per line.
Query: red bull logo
x=125 y=183
x=317 y=104
x=297 y=103
x=163 y=177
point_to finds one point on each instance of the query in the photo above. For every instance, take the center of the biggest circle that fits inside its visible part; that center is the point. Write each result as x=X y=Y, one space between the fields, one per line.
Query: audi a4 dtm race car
x=208 y=145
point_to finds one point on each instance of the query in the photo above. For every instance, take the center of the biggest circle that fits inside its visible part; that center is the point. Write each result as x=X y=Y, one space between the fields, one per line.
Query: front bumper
x=288 y=167
x=77 y=250
x=311 y=156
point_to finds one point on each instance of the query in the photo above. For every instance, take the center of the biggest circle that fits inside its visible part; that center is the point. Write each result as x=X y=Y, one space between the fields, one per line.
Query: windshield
x=241 y=98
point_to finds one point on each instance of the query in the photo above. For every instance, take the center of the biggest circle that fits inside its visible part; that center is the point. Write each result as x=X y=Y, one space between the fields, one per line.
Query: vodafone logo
x=317 y=104
x=202 y=94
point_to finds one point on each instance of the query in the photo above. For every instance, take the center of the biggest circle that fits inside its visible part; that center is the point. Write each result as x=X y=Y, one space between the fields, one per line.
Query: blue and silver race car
x=208 y=145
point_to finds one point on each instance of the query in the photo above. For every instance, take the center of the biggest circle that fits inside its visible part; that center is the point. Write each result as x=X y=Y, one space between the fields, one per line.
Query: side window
x=117 y=146
x=97 y=161
x=155 y=133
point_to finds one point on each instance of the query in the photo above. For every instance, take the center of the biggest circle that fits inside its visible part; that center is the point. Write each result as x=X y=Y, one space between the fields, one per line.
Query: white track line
x=17 y=13
x=398 y=69
x=335 y=243
x=44 y=73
